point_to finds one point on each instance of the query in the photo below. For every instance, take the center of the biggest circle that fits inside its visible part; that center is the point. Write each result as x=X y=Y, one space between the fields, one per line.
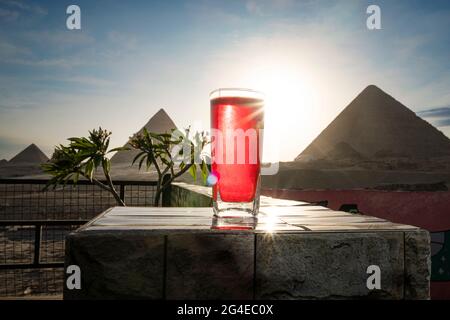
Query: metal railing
x=38 y=226
x=34 y=223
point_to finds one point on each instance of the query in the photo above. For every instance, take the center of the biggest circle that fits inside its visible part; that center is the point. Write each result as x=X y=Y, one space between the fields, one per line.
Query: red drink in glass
x=237 y=121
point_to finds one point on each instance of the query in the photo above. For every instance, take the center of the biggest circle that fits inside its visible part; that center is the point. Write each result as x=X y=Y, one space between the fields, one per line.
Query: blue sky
x=132 y=58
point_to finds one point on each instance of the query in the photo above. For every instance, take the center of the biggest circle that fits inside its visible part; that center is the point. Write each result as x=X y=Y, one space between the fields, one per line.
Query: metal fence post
x=122 y=192
x=166 y=192
x=37 y=244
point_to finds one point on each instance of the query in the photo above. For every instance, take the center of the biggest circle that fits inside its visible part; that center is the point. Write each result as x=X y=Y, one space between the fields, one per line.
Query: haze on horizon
x=310 y=58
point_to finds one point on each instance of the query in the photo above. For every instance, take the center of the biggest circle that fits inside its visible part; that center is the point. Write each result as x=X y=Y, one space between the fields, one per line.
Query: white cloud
x=266 y=7
x=53 y=62
x=8 y=15
x=33 y=8
x=9 y=50
x=123 y=40
x=69 y=49
x=204 y=13
x=89 y=81
x=253 y=7
x=11 y=11
x=59 y=39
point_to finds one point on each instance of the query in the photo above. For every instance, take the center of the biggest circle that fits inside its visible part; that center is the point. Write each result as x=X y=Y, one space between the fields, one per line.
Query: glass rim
x=236 y=92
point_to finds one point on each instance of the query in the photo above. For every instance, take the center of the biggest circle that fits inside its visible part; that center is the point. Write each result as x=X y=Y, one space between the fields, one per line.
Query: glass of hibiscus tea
x=237 y=124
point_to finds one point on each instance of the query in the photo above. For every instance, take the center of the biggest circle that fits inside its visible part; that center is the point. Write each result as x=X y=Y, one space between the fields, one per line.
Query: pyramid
x=159 y=123
x=375 y=124
x=30 y=155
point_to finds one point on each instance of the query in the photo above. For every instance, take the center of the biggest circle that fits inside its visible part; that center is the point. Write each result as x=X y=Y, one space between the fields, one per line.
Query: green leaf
x=97 y=161
x=119 y=149
x=106 y=164
x=137 y=156
x=165 y=161
x=193 y=171
x=208 y=162
x=205 y=171
x=89 y=170
x=141 y=162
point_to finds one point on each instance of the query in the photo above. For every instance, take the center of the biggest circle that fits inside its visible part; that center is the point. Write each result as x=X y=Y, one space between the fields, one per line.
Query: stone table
x=295 y=251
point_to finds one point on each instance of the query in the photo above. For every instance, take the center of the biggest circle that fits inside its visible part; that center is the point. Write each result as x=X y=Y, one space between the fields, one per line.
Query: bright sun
x=288 y=103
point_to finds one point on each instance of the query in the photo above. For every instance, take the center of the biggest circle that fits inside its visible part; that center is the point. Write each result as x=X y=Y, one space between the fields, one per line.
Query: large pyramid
x=30 y=155
x=375 y=125
x=159 y=123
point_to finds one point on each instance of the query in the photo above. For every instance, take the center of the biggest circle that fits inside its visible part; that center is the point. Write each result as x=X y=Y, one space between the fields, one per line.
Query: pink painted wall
x=428 y=210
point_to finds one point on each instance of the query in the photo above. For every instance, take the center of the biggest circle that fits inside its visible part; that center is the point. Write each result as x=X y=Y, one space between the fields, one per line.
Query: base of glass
x=235 y=215
x=236 y=223
x=234 y=209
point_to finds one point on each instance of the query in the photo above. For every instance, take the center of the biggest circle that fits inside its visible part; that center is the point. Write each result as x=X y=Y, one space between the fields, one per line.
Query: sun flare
x=288 y=98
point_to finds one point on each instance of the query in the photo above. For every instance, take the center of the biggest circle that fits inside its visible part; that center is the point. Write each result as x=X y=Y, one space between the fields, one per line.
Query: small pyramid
x=159 y=123
x=30 y=155
x=342 y=151
x=375 y=123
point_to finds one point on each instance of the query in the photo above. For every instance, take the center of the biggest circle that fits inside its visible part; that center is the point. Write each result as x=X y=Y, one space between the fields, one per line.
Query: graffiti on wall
x=440 y=256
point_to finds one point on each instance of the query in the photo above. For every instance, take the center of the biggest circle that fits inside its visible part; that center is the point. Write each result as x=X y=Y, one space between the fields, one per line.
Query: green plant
x=81 y=158
x=163 y=151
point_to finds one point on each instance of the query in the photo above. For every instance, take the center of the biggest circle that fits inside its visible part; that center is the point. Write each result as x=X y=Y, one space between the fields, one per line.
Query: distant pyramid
x=159 y=123
x=30 y=155
x=375 y=124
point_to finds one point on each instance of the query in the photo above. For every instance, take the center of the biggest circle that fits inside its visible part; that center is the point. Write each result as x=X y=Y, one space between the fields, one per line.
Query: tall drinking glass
x=237 y=123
